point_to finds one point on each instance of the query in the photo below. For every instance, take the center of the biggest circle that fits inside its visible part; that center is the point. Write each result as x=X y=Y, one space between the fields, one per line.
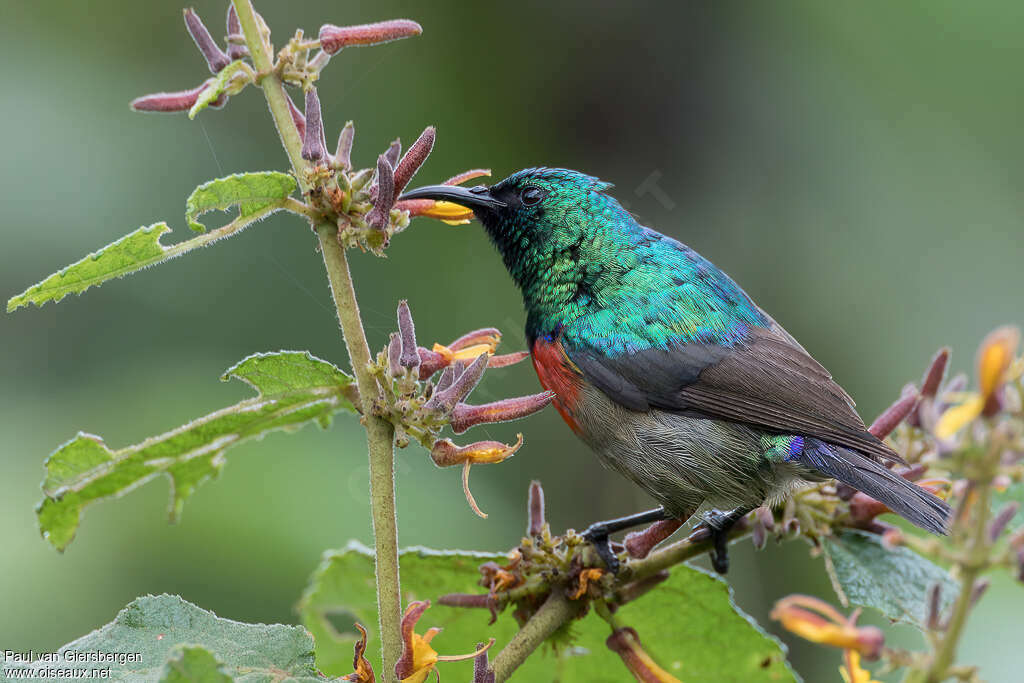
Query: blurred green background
x=855 y=166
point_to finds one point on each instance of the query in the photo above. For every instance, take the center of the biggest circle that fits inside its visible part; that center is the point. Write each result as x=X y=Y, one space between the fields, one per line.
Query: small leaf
x=193 y=664
x=164 y=638
x=895 y=582
x=294 y=388
x=687 y=623
x=252 y=192
x=217 y=86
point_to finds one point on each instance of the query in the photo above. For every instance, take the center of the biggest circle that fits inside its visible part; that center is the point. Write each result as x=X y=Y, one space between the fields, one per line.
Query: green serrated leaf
x=164 y=638
x=218 y=85
x=251 y=192
x=128 y=254
x=193 y=664
x=893 y=581
x=294 y=388
x=689 y=624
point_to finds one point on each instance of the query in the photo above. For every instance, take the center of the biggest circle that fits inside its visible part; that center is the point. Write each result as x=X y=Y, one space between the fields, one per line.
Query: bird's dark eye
x=531 y=195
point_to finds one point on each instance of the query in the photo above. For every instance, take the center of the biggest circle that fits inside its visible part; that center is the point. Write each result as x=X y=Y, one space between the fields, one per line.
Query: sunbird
x=667 y=369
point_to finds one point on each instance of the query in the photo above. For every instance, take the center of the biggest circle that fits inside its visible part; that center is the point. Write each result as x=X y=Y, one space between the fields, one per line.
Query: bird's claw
x=597 y=536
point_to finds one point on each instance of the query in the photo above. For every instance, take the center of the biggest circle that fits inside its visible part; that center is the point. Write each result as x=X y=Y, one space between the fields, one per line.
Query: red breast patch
x=557 y=373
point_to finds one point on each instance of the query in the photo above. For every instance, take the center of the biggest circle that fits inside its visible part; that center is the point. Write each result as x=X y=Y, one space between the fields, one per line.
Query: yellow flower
x=851 y=670
x=996 y=366
x=418 y=657
x=445 y=453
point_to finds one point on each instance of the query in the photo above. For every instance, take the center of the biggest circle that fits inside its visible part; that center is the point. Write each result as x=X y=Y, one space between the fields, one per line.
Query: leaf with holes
x=294 y=389
x=253 y=193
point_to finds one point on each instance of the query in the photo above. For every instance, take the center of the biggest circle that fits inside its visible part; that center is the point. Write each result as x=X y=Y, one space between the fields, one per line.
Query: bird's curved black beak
x=475 y=198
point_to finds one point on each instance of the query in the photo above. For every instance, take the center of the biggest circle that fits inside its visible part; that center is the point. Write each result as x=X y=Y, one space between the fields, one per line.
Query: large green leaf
x=164 y=638
x=294 y=388
x=893 y=581
x=251 y=192
x=689 y=624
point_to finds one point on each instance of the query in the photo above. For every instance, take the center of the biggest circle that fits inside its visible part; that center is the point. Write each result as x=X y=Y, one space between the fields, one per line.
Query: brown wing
x=768 y=381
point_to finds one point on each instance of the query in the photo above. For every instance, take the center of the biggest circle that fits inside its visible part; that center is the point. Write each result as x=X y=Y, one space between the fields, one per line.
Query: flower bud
x=334 y=38
x=1002 y=518
x=363 y=671
x=639 y=544
x=933 y=619
x=465 y=416
x=168 y=101
x=395 y=355
x=936 y=371
x=297 y=118
x=407 y=330
x=506 y=359
x=864 y=508
x=343 y=154
x=626 y=643
x=467 y=175
x=214 y=56
x=414 y=158
x=393 y=152
x=380 y=215
x=891 y=417
x=535 y=510
x=313 y=147
x=444 y=401
x=490 y=336
x=236 y=50
x=445 y=453
x=446 y=379
x=482 y=673
x=430 y=362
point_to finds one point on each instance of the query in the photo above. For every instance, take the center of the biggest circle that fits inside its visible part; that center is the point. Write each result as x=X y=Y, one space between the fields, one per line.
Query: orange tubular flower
x=996 y=366
x=445 y=454
x=418 y=657
x=819 y=622
x=625 y=643
x=363 y=671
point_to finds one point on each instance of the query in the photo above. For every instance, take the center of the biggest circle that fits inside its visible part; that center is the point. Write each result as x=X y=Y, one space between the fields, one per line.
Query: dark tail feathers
x=909 y=501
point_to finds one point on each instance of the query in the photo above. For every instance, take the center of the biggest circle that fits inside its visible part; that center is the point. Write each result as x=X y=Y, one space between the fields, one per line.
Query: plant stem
x=380 y=436
x=556 y=610
x=977 y=554
x=379 y=433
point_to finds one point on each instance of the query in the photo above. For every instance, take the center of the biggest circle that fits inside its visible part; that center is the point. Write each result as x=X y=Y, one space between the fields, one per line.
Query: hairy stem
x=379 y=433
x=556 y=611
x=976 y=557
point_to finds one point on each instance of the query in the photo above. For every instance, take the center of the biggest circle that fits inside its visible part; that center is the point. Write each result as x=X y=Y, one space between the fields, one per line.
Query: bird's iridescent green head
x=585 y=266
x=549 y=224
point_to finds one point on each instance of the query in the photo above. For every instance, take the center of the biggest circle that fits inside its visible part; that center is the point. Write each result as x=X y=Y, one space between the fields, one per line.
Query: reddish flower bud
x=934 y=617
x=465 y=416
x=864 y=508
x=168 y=101
x=467 y=175
x=639 y=544
x=313 y=146
x=343 y=154
x=235 y=37
x=414 y=158
x=482 y=673
x=506 y=359
x=430 y=362
x=446 y=454
x=297 y=117
x=978 y=590
x=446 y=379
x=334 y=38
x=893 y=415
x=936 y=371
x=535 y=510
x=445 y=400
x=393 y=152
x=395 y=355
x=1002 y=518
x=626 y=643
x=483 y=600
x=407 y=330
x=380 y=215
x=214 y=56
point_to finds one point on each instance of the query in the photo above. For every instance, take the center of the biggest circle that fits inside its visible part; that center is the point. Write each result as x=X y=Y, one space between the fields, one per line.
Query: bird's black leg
x=720 y=522
x=598 y=532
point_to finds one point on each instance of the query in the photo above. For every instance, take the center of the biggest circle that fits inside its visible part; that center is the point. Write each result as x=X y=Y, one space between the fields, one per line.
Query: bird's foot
x=597 y=535
x=720 y=523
